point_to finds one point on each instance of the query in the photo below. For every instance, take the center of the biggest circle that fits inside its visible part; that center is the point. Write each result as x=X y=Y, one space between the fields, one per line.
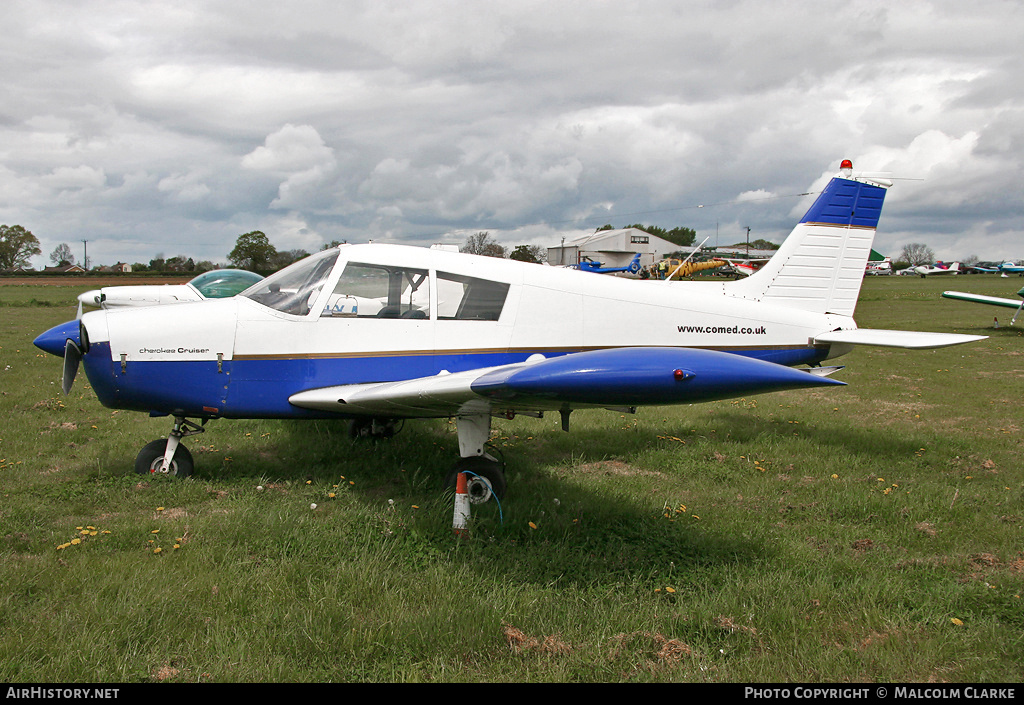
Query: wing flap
x=438 y=395
x=915 y=340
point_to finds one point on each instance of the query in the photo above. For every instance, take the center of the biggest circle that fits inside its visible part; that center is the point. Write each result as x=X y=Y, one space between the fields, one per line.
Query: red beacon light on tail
x=846 y=167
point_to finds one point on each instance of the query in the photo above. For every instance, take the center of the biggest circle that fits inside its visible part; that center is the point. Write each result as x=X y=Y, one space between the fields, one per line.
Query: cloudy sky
x=150 y=127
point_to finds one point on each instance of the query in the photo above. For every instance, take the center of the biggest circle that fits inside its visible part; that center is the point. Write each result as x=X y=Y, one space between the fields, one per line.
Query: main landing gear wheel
x=486 y=478
x=373 y=428
x=150 y=460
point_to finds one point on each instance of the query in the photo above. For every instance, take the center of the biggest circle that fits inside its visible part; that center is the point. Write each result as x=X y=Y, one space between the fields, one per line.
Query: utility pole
x=85 y=259
x=748 y=243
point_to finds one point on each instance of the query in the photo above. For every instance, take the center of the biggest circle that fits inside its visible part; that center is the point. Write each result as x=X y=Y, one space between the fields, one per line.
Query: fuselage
x=382 y=313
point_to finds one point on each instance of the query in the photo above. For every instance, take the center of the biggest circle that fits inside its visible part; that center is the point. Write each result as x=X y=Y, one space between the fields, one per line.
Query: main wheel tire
x=481 y=470
x=379 y=428
x=150 y=460
x=360 y=428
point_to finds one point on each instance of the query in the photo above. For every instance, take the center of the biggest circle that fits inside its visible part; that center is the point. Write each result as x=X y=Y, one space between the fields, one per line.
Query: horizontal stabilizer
x=910 y=339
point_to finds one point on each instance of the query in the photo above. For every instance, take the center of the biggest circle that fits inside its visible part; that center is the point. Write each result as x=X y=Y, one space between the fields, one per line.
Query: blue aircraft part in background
x=597 y=267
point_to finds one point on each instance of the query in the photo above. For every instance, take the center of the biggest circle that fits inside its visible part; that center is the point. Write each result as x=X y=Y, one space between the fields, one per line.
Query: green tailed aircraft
x=991 y=300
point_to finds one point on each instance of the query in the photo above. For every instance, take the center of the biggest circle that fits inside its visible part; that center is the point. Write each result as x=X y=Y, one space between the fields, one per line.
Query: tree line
x=252 y=251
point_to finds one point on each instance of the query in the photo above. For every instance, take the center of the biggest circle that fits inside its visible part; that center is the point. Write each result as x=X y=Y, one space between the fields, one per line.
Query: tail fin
x=820 y=266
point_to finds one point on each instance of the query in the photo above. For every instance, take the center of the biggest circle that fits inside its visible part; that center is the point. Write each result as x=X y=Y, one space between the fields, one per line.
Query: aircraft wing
x=979 y=299
x=611 y=377
x=896 y=338
x=422 y=396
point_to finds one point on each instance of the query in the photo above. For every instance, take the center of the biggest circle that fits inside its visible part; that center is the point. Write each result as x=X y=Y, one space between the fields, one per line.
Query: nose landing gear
x=166 y=456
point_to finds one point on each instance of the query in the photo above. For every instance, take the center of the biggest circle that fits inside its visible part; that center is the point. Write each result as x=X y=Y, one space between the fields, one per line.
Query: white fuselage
x=547 y=309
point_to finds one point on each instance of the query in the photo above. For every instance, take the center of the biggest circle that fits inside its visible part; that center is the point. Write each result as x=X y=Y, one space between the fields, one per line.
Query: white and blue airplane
x=382 y=333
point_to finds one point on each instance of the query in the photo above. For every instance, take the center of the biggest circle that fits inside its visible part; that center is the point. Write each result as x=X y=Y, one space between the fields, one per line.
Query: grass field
x=869 y=533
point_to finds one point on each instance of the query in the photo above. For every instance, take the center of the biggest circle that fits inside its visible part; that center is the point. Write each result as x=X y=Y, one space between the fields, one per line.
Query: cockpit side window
x=463 y=298
x=380 y=291
x=294 y=289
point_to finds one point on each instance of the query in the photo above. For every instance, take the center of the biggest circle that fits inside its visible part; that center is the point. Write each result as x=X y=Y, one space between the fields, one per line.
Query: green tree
x=253 y=251
x=17 y=246
x=179 y=263
x=528 y=253
x=282 y=259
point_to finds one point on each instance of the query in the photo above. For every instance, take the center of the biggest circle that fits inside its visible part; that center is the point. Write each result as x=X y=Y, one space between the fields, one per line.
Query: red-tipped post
x=461 y=517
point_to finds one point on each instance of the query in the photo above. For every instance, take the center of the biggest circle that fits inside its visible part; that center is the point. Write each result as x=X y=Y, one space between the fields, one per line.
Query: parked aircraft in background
x=588 y=265
x=741 y=267
x=683 y=269
x=215 y=284
x=1011 y=268
x=381 y=333
x=981 y=269
x=990 y=300
x=939 y=268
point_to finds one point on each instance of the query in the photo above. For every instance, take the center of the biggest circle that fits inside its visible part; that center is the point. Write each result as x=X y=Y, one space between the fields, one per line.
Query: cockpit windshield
x=294 y=289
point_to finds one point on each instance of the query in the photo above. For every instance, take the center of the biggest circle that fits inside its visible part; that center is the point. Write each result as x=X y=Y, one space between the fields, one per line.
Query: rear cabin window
x=462 y=298
x=378 y=291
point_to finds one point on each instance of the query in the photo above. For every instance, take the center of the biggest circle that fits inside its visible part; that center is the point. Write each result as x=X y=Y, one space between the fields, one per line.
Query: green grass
x=866 y=533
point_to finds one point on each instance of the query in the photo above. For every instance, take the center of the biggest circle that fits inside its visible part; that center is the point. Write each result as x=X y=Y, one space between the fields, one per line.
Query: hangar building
x=613 y=248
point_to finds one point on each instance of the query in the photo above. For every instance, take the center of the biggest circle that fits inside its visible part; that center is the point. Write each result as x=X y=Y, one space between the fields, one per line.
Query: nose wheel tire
x=150 y=460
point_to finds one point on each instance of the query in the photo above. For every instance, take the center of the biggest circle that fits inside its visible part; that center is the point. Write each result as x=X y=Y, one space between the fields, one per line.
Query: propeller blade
x=72 y=356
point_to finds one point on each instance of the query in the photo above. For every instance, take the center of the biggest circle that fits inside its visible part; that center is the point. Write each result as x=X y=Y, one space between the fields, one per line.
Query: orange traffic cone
x=461 y=506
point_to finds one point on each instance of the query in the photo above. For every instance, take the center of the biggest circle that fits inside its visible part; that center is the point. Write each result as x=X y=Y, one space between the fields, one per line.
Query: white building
x=613 y=248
